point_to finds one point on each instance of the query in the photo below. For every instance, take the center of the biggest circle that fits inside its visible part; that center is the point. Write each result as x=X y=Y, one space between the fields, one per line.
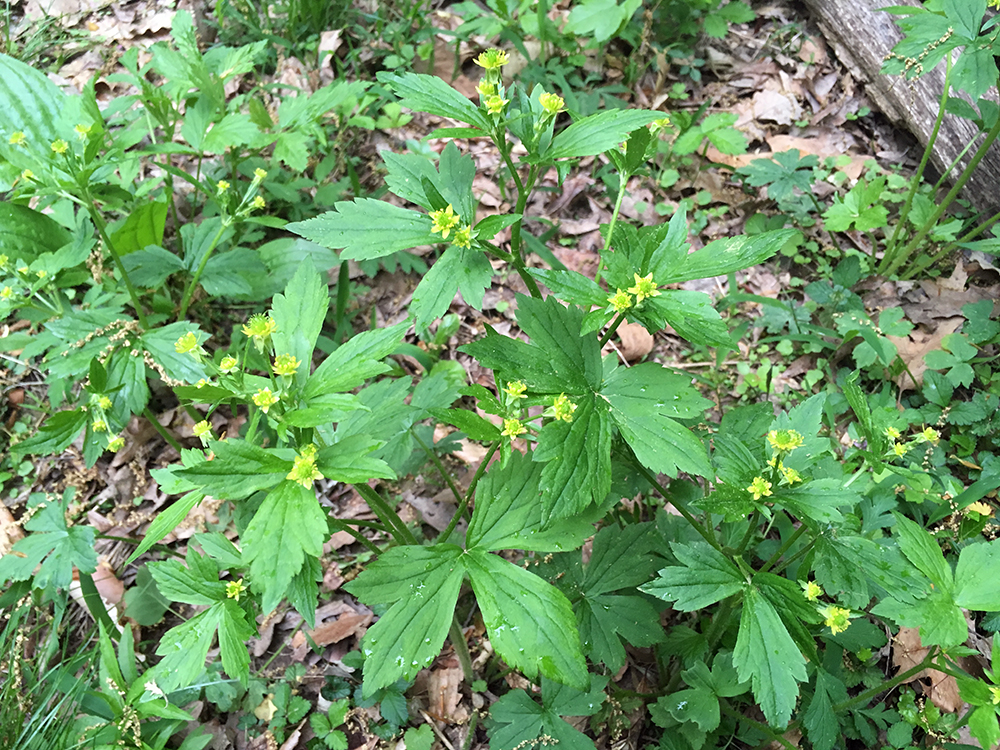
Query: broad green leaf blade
x=467 y=269
x=606 y=620
x=923 y=551
x=425 y=93
x=348 y=461
x=237 y=471
x=59 y=431
x=817 y=500
x=572 y=287
x=620 y=558
x=596 y=134
x=976 y=577
x=367 y=228
x=289 y=525
x=299 y=314
x=577 y=457
x=29 y=103
x=184 y=649
x=643 y=401
x=766 y=655
x=234 y=632
x=26 y=233
x=820 y=720
x=356 y=361
x=727 y=255
x=940 y=620
x=706 y=576
x=508 y=515
x=530 y=623
x=180 y=583
x=51 y=551
x=423 y=585
x=144 y=226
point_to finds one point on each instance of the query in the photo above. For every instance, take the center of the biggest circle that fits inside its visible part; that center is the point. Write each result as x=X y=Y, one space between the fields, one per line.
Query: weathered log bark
x=862 y=36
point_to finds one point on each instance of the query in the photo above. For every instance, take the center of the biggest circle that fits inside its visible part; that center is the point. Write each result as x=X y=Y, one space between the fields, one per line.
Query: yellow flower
x=17 y=138
x=259 y=328
x=759 y=488
x=892 y=433
x=835 y=618
x=551 y=103
x=994 y=690
x=495 y=104
x=286 y=364
x=657 y=125
x=186 y=344
x=104 y=402
x=228 y=365
x=463 y=237
x=82 y=131
x=492 y=59
x=444 y=220
x=265 y=399
x=563 y=408
x=784 y=440
x=304 y=469
x=99 y=425
x=981 y=508
x=791 y=475
x=811 y=590
x=116 y=444
x=27 y=175
x=60 y=146
x=234 y=589
x=930 y=435
x=620 y=301
x=512 y=428
x=644 y=287
x=221 y=186
x=202 y=429
x=258 y=202
x=514 y=390
x=6 y=293
x=486 y=89
x=259 y=174
x=899 y=449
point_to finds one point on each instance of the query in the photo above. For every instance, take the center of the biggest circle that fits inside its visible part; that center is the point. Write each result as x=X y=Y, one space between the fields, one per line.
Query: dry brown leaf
x=107 y=584
x=445 y=697
x=10 y=531
x=941 y=689
x=774 y=106
x=637 y=342
x=913 y=347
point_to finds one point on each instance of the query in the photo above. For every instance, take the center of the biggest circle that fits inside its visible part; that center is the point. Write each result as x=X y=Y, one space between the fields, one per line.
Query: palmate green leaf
x=577 y=457
x=766 y=655
x=508 y=514
x=940 y=620
x=530 y=623
x=643 y=401
x=783 y=174
x=860 y=209
x=425 y=93
x=26 y=233
x=238 y=470
x=367 y=228
x=299 y=314
x=706 y=576
x=597 y=133
x=517 y=721
x=467 y=269
x=923 y=551
x=51 y=551
x=422 y=584
x=289 y=525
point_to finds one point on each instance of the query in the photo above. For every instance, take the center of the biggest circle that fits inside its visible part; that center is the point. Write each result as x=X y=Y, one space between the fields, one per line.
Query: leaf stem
x=436 y=460
x=457 y=638
x=164 y=433
x=698 y=526
x=784 y=547
x=468 y=495
x=342 y=526
x=102 y=230
x=386 y=514
x=189 y=291
x=611 y=329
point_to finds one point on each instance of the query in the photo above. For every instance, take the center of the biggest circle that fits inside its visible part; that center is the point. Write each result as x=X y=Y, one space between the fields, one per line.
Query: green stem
x=952 y=194
x=102 y=230
x=438 y=465
x=515 y=234
x=695 y=523
x=386 y=514
x=171 y=441
x=751 y=528
x=189 y=291
x=864 y=697
x=457 y=638
x=762 y=728
x=890 y=249
x=622 y=181
x=468 y=495
x=611 y=329
x=342 y=526
x=784 y=547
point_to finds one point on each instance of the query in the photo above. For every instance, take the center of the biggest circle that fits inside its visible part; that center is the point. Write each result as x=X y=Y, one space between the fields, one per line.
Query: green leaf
x=292 y=149
x=151 y=266
x=783 y=173
x=51 y=551
x=367 y=228
x=530 y=623
x=473 y=425
x=184 y=583
x=606 y=620
x=431 y=94
x=597 y=133
x=160 y=343
x=30 y=103
x=467 y=269
x=299 y=314
x=143 y=601
x=26 y=233
x=923 y=551
x=820 y=720
x=517 y=721
x=166 y=520
x=976 y=575
x=234 y=632
x=56 y=433
x=817 y=500
x=860 y=209
x=238 y=470
x=144 y=226
x=232 y=130
x=355 y=361
x=289 y=525
x=508 y=515
x=766 y=655
x=704 y=577
x=184 y=649
x=983 y=726
x=940 y=620
x=348 y=461
x=600 y=19
x=422 y=584
x=572 y=287
x=643 y=401
x=724 y=256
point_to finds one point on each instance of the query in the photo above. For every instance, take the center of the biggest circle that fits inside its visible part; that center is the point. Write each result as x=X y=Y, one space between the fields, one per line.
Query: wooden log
x=861 y=36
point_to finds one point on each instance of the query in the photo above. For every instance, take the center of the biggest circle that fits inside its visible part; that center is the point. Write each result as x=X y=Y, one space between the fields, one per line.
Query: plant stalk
x=189 y=291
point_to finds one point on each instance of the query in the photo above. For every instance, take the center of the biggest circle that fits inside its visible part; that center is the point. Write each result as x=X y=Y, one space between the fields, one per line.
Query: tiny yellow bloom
x=286 y=364
x=835 y=618
x=892 y=433
x=551 y=103
x=444 y=220
x=104 y=402
x=116 y=444
x=41 y=273
x=759 y=488
x=512 y=428
x=228 y=365
x=27 y=175
x=791 y=475
x=259 y=327
x=17 y=138
x=202 y=429
x=495 y=104
x=657 y=125
x=258 y=202
x=644 y=287
x=784 y=440
x=265 y=399
x=486 y=89
x=99 y=425
x=202 y=383
x=234 y=589
x=304 y=469
x=930 y=435
x=514 y=390
x=492 y=59
x=187 y=344
x=811 y=590
x=4 y=260
x=620 y=301
x=899 y=449
x=259 y=174
x=980 y=507
x=463 y=237
x=994 y=689
x=221 y=186
x=6 y=293
x=82 y=131
x=563 y=408
x=60 y=146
